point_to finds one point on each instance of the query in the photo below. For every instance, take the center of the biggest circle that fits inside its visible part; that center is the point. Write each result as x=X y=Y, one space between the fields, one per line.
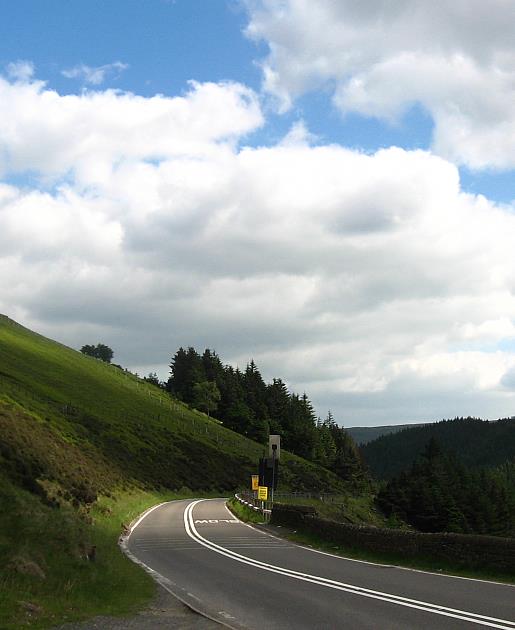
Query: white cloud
x=370 y=281
x=20 y=70
x=95 y=75
x=455 y=58
x=298 y=135
x=89 y=133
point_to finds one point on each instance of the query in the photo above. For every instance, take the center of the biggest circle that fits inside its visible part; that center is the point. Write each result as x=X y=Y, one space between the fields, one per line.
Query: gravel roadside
x=166 y=611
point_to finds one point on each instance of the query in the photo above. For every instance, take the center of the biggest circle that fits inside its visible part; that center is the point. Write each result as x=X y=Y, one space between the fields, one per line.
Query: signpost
x=264 y=484
x=263 y=493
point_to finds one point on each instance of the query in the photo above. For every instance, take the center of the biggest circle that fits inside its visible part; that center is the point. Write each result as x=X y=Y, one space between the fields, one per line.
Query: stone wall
x=460 y=550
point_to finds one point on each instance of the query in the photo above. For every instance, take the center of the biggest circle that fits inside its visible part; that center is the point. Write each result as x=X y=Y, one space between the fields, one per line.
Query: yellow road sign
x=255 y=482
x=262 y=493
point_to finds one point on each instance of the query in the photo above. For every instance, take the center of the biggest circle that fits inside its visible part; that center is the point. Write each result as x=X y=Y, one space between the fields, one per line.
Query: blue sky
x=325 y=187
x=166 y=43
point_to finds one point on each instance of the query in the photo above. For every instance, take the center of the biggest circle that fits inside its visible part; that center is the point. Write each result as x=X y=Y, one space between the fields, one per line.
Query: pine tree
x=325 y=447
x=277 y=401
x=256 y=398
x=212 y=366
x=186 y=370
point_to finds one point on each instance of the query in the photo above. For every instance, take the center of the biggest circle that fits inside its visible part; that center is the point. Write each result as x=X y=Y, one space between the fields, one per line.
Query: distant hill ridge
x=363 y=435
x=476 y=442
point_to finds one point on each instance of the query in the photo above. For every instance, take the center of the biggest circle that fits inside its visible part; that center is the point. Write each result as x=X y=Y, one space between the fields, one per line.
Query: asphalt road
x=246 y=578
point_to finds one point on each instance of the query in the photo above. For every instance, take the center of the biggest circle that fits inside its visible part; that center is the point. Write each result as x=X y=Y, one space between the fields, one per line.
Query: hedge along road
x=245 y=578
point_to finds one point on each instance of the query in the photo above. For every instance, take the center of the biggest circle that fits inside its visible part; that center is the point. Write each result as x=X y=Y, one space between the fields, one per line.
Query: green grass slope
x=85 y=446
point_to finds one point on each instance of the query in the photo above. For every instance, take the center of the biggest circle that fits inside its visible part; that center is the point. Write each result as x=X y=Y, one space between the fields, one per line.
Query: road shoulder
x=166 y=611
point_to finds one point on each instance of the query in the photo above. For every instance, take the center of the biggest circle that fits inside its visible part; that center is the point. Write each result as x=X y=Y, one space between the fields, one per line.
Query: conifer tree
x=278 y=401
x=186 y=370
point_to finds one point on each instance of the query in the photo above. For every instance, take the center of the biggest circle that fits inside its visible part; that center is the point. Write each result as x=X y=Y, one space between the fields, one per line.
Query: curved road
x=246 y=578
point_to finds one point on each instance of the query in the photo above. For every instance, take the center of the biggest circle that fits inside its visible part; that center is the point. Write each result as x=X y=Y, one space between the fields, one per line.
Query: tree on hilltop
x=100 y=351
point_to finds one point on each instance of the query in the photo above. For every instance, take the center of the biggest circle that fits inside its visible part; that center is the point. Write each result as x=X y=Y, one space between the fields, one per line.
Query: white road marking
x=161 y=579
x=144 y=515
x=375 y=564
x=483 y=620
x=215 y=521
x=225 y=614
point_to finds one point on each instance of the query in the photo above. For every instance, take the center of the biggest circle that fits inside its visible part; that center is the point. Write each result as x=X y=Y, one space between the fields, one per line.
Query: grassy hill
x=84 y=447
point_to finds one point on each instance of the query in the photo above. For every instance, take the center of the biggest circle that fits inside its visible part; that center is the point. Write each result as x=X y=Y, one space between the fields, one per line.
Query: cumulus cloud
x=95 y=75
x=457 y=59
x=370 y=281
x=89 y=133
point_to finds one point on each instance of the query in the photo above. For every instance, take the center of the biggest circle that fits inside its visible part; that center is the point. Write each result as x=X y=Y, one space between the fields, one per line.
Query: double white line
x=482 y=620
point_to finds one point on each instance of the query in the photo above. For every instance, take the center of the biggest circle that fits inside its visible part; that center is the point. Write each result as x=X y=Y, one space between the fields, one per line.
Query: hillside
x=364 y=435
x=477 y=443
x=85 y=446
x=124 y=426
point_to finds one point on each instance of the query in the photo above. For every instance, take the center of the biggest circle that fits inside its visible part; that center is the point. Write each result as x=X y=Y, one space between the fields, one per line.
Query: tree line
x=477 y=443
x=243 y=402
x=441 y=494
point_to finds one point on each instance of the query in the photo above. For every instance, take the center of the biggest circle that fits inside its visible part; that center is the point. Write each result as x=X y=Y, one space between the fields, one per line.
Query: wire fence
x=324 y=497
x=166 y=410
x=250 y=499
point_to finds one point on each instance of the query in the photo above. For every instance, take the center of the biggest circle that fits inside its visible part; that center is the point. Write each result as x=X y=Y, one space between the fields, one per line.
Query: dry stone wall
x=460 y=550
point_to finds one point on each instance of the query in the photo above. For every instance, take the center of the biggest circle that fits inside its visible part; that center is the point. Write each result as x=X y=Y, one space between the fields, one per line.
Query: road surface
x=245 y=578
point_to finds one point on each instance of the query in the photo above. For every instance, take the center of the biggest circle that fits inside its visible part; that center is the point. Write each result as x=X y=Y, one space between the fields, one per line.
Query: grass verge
x=345 y=508
x=244 y=513
x=47 y=579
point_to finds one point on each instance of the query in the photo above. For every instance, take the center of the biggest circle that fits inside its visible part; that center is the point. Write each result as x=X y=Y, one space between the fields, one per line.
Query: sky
x=325 y=187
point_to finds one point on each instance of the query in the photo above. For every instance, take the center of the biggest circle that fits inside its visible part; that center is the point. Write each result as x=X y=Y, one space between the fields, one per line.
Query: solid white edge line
x=394 y=599
x=144 y=515
x=379 y=564
x=161 y=579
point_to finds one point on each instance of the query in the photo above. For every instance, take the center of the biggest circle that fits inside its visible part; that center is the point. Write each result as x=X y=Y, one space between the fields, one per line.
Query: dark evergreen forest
x=440 y=494
x=451 y=476
x=476 y=443
x=243 y=402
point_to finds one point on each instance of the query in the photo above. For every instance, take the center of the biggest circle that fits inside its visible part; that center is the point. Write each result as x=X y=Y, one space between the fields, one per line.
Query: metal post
x=274 y=450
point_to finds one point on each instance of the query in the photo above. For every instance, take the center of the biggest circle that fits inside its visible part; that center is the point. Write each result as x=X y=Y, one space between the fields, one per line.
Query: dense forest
x=477 y=444
x=440 y=494
x=243 y=402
